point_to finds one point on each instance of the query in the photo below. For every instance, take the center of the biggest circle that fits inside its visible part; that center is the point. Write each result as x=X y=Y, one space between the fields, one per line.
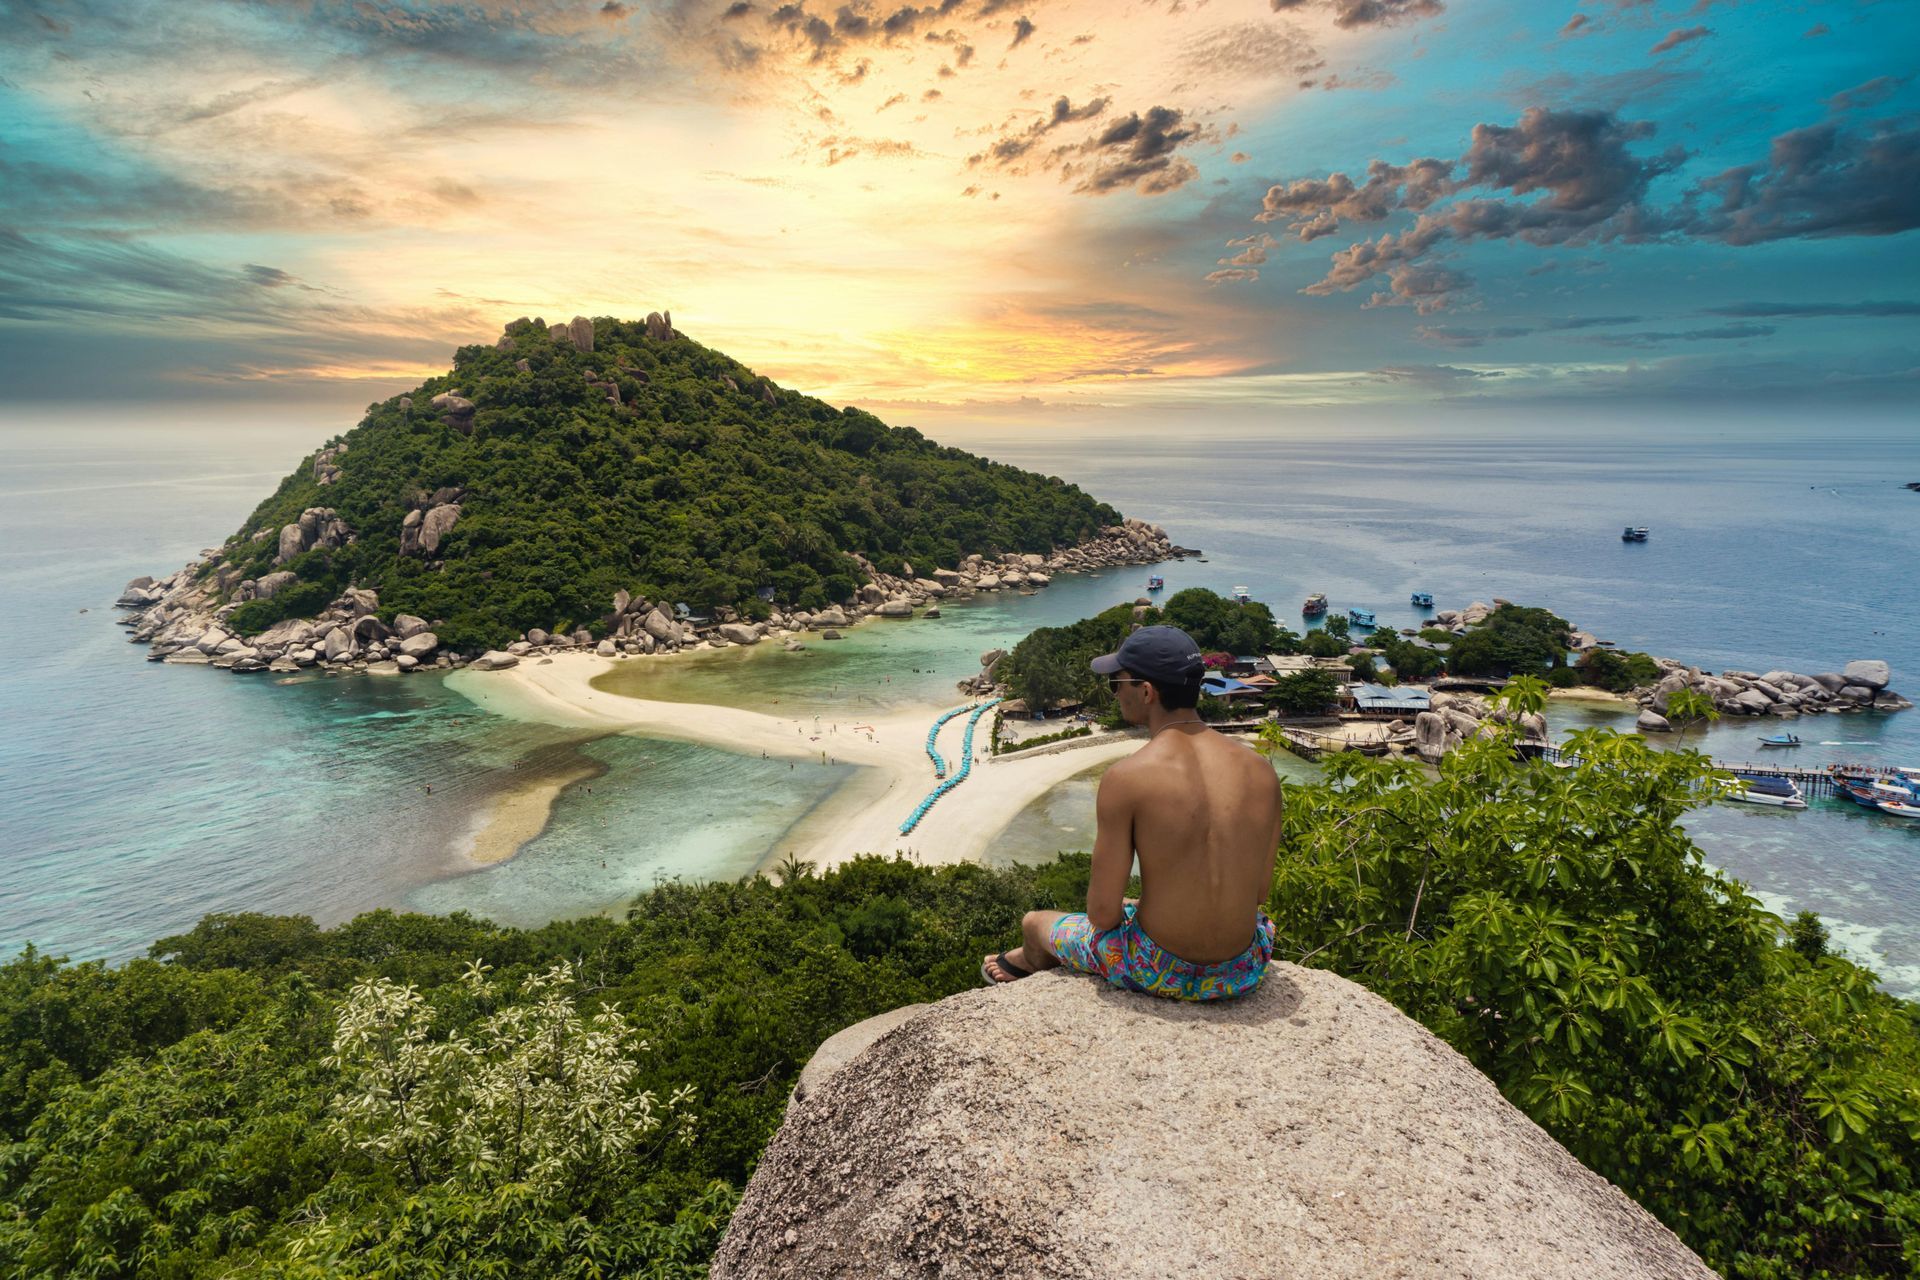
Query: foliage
x=688 y=489
x=1408 y=660
x=1514 y=640
x=1617 y=672
x=1304 y=693
x=1807 y=935
x=1007 y=748
x=1690 y=706
x=1054 y=661
x=1323 y=644
x=1560 y=930
x=197 y=1115
x=1218 y=623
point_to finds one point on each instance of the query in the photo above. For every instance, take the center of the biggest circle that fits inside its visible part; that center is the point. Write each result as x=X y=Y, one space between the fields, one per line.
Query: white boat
x=1901 y=809
x=1779 y=793
x=1892 y=791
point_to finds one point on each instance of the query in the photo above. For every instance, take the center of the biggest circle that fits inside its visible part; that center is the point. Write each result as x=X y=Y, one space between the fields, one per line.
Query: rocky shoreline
x=1858 y=686
x=181 y=620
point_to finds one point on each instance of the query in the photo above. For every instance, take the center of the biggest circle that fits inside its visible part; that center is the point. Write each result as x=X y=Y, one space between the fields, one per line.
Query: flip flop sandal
x=1007 y=965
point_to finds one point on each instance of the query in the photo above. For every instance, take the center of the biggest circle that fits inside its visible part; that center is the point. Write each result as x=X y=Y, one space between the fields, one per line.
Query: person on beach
x=1201 y=813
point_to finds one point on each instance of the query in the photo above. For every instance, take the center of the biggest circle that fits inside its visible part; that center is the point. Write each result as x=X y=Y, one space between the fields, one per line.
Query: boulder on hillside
x=407 y=624
x=740 y=633
x=1060 y=1127
x=420 y=644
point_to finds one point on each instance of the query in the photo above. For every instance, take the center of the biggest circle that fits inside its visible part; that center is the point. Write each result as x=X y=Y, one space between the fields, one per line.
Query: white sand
x=865 y=814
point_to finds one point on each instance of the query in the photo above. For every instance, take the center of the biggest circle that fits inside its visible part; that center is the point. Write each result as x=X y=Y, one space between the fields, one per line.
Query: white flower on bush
x=533 y=1094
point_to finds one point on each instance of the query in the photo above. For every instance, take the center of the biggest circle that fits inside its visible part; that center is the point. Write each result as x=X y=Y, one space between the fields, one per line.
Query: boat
x=1779 y=793
x=1361 y=617
x=1155 y=582
x=1780 y=740
x=1423 y=599
x=1859 y=795
x=1240 y=594
x=1901 y=809
x=1634 y=533
x=1886 y=790
x=1316 y=605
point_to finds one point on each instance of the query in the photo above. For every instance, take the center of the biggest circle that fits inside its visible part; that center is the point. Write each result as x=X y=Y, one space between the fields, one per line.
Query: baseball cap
x=1164 y=654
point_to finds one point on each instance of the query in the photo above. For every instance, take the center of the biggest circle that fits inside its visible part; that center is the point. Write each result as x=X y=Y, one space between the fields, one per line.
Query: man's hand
x=1112 y=852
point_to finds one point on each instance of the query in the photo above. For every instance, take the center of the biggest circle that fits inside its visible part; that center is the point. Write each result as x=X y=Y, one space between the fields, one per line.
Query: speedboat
x=1156 y=582
x=1780 y=740
x=1316 y=605
x=1901 y=809
x=1423 y=599
x=1361 y=617
x=1634 y=533
x=1760 y=789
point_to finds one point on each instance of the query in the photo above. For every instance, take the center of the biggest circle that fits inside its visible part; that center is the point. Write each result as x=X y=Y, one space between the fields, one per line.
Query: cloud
x=1253 y=251
x=1819 y=182
x=1456 y=337
x=1801 y=310
x=1679 y=36
x=1723 y=333
x=1013 y=146
x=1138 y=152
x=1366 y=13
x=1022 y=31
x=1589 y=185
x=1432 y=375
x=1232 y=274
x=1576 y=24
x=1871 y=94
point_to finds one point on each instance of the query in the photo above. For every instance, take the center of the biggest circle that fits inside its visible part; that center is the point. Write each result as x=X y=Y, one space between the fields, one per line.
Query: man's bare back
x=1202 y=813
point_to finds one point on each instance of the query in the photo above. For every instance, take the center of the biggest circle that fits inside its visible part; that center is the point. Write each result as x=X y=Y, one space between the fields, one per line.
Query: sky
x=1035 y=210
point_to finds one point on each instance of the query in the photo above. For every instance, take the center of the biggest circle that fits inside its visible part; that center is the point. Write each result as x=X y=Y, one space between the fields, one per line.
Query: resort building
x=1388 y=703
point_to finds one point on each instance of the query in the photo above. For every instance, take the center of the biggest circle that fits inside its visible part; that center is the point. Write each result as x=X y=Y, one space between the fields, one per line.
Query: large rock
x=1869 y=673
x=407 y=624
x=420 y=644
x=1430 y=736
x=1651 y=721
x=435 y=525
x=1748 y=702
x=740 y=633
x=339 y=644
x=1059 y=1127
x=894 y=609
x=660 y=626
x=833 y=616
x=494 y=660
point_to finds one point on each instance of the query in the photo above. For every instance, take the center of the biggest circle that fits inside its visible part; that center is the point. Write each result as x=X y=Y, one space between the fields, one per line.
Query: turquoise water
x=135 y=797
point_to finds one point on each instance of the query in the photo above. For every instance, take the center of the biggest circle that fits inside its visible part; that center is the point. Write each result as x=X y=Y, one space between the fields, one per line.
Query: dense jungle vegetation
x=704 y=484
x=408 y=1095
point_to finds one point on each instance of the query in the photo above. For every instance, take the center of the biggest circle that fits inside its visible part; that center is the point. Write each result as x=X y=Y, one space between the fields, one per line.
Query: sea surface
x=136 y=797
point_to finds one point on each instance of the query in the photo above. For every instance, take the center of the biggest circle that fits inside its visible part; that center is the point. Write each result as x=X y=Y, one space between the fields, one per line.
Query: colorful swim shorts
x=1126 y=957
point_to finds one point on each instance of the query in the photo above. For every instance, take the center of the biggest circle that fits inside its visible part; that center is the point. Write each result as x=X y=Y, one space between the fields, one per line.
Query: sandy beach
x=862 y=816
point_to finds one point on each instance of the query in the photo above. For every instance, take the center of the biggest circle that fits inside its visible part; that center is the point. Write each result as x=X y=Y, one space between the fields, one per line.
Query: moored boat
x=1316 y=605
x=1634 y=533
x=1361 y=617
x=1859 y=795
x=1155 y=582
x=1780 y=793
x=1423 y=599
x=1901 y=809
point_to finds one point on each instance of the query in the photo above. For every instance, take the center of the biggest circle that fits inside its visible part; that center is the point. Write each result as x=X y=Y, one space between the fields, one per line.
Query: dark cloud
x=1589 y=186
x=1426 y=287
x=1365 y=13
x=1138 y=152
x=1457 y=337
x=1818 y=182
x=1022 y=31
x=1805 y=310
x=1013 y=146
x=1253 y=251
x=1871 y=94
x=614 y=11
x=1679 y=36
x=1723 y=333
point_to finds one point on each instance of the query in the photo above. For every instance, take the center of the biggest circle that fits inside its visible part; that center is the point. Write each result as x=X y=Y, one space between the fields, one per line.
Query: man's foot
x=1001 y=969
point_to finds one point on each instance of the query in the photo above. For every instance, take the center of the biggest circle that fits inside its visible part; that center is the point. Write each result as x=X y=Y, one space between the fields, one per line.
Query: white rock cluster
x=180 y=622
x=1859 y=686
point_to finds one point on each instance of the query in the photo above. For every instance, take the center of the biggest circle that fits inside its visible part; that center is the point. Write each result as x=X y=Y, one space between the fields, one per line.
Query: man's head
x=1155 y=666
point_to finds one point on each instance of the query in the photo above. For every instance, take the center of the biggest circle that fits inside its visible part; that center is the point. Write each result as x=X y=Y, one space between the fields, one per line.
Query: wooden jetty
x=1814 y=780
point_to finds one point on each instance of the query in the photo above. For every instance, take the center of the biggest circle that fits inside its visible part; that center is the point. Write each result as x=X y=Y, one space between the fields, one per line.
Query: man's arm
x=1112 y=852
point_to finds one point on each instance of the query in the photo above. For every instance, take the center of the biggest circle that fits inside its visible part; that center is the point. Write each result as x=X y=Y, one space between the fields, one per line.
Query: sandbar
x=864 y=814
x=516 y=816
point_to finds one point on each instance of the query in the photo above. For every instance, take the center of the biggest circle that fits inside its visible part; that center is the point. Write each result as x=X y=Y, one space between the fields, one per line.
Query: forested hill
x=540 y=475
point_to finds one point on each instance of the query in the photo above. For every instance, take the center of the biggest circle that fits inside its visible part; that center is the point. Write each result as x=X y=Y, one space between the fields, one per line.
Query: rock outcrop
x=1859 y=686
x=1060 y=1127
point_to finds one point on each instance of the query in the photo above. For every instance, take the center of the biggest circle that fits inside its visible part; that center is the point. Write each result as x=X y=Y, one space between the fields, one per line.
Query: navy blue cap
x=1165 y=654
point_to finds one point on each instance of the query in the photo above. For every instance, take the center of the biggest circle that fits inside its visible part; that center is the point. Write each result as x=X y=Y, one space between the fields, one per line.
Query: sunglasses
x=1114 y=682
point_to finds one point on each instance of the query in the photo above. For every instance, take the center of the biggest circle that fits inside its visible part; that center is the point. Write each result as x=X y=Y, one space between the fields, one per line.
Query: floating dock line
x=933 y=753
x=966 y=764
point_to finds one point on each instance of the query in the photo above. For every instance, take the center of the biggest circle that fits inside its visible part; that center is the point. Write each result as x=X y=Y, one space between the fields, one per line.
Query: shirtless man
x=1203 y=815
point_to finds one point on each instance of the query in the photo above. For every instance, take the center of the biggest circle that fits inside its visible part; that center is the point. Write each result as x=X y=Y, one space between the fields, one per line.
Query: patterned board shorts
x=1126 y=957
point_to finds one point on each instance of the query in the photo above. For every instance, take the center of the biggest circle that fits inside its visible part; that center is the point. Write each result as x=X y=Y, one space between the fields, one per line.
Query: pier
x=1817 y=780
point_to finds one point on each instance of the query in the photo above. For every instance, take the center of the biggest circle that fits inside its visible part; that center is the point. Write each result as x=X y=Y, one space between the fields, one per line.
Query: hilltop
x=550 y=480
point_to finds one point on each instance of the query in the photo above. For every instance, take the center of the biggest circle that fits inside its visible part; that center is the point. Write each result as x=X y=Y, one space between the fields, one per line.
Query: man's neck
x=1159 y=718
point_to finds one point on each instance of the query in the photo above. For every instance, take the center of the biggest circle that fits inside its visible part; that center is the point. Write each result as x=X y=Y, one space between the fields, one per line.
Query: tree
x=1305 y=693
x=1807 y=935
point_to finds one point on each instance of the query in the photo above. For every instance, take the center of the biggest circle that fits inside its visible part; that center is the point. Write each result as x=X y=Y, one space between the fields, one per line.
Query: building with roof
x=1378 y=699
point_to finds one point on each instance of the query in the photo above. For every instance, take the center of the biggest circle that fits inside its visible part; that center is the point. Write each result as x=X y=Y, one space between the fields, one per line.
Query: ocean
x=136 y=797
